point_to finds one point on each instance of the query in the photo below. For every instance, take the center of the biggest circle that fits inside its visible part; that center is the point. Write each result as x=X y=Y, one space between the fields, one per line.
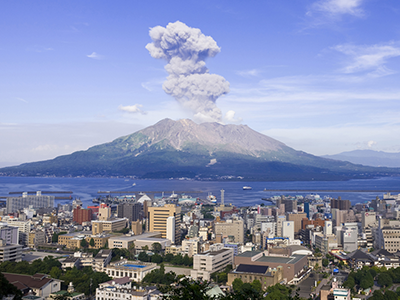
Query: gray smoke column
x=189 y=82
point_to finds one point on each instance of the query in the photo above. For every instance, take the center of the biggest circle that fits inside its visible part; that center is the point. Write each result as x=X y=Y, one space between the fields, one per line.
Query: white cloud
x=371 y=143
x=231 y=118
x=132 y=109
x=94 y=55
x=339 y=7
x=369 y=58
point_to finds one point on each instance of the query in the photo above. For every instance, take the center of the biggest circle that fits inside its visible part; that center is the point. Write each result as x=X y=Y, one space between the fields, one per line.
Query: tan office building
x=157 y=220
x=231 y=228
x=296 y=218
x=110 y=225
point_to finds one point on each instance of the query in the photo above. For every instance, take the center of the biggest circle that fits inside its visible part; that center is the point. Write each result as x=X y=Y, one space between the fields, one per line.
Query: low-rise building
x=74 y=240
x=40 y=284
x=10 y=252
x=248 y=273
x=140 y=241
x=293 y=265
x=109 y=225
x=121 y=288
x=132 y=269
x=211 y=261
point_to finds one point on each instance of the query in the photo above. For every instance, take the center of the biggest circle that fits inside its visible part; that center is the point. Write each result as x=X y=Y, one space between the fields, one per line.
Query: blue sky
x=321 y=76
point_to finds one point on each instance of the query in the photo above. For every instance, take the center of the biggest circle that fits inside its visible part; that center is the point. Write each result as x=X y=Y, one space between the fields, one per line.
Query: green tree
x=6 y=288
x=325 y=262
x=156 y=258
x=156 y=247
x=384 y=279
x=350 y=282
x=256 y=284
x=168 y=257
x=132 y=249
x=237 y=284
x=187 y=289
x=84 y=243
x=186 y=260
x=143 y=257
x=55 y=272
x=91 y=242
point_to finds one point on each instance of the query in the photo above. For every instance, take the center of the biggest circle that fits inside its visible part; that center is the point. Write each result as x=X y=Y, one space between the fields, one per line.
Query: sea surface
x=87 y=188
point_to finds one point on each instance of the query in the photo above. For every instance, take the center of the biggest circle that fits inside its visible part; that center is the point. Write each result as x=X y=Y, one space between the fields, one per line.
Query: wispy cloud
x=331 y=12
x=39 y=49
x=95 y=55
x=132 y=109
x=22 y=100
x=338 y=7
x=249 y=73
x=372 y=59
x=153 y=84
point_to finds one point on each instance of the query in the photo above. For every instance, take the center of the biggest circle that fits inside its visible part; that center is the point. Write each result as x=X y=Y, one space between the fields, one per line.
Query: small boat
x=211 y=198
x=247 y=187
x=134 y=184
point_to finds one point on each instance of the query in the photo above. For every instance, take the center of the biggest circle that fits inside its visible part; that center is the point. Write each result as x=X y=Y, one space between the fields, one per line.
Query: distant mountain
x=204 y=151
x=369 y=158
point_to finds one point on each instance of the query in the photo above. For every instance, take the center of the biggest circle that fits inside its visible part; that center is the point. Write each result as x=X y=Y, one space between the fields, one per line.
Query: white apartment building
x=36 y=201
x=24 y=228
x=120 y=288
x=211 y=261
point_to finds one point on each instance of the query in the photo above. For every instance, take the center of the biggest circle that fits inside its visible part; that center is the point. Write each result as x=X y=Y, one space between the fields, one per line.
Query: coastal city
x=138 y=244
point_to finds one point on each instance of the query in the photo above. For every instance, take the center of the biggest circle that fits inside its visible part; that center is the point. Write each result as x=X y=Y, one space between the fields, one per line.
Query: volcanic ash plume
x=186 y=49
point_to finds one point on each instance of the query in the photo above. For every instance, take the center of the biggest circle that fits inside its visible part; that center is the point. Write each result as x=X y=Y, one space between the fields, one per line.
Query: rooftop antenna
x=222 y=198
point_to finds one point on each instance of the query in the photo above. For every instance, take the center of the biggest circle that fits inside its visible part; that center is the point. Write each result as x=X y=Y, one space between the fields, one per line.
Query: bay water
x=87 y=188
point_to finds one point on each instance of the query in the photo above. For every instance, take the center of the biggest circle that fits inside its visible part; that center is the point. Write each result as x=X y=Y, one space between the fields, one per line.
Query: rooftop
x=281 y=260
x=249 y=253
x=243 y=268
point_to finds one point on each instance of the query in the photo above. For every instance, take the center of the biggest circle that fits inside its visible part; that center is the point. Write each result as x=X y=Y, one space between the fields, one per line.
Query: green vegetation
x=221 y=277
x=117 y=253
x=158 y=276
x=197 y=290
x=362 y=278
x=51 y=266
x=177 y=260
x=37 y=266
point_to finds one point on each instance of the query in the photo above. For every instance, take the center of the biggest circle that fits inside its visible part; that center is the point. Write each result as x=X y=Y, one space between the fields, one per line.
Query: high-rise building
x=368 y=218
x=340 y=204
x=82 y=215
x=158 y=220
x=296 y=218
x=231 y=228
x=36 y=201
x=290 y=205
x=130 y=211
x=288 y=230
x=104 y=212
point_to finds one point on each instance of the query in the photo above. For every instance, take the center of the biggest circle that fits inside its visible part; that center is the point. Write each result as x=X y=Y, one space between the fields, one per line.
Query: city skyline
x=319 y=75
